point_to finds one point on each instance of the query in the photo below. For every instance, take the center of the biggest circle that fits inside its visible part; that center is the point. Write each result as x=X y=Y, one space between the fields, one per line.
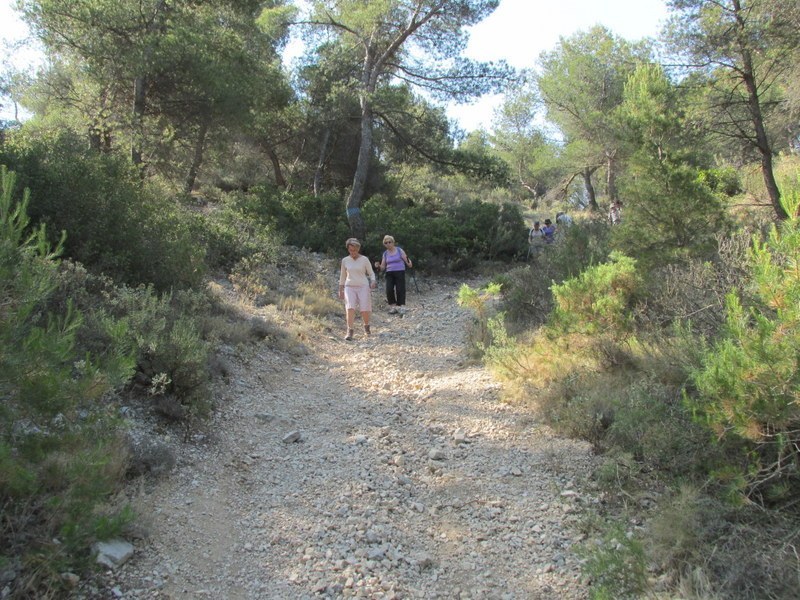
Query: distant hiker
x=549 y=231
x=615 y=212
x=535 y=239
x=356 y=279
x=535 y=235
x=563 y=220
x=394 y=263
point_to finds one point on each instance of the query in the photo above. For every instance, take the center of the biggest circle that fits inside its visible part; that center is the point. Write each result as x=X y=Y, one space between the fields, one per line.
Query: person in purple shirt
x=393 y=264
x=549 y=231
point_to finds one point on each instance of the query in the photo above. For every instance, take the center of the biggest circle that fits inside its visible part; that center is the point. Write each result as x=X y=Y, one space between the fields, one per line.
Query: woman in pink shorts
x=356 y=280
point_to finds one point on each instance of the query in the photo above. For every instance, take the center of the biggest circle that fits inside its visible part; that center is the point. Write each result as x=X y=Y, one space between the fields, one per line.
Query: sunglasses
x=388 y=243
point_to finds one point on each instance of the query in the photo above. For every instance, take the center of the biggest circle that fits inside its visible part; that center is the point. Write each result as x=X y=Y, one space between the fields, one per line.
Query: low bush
x=305 y=221
x=453 y=237
x=480 y=301
x=527 y=295
x=599 y=299
x=114 y=224
x=748 y=388
x=61 y=455
x=616 y=565
x=692 y=294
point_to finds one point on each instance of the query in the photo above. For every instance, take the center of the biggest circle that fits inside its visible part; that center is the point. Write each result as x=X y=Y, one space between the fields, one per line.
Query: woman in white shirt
x=356 y=280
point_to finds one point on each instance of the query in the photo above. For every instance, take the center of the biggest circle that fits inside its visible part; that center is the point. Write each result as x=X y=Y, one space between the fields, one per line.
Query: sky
x=518 y=32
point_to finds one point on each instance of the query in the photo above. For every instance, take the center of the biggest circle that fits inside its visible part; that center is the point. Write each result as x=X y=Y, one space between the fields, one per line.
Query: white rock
x=437 y=454
x=291 y=437
x=113 y=553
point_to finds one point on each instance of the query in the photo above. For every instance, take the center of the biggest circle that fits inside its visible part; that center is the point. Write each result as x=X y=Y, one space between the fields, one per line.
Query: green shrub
x=60 y=458
x=453 y=237
x=616 y=566
x=115 y=224
x=171 y=355
x=671 y=214
x=303 y=220
x=479 y=301
x=599 y=299
x=527 y=296
x=748 y=389
x=236 y=230
x=651 y=423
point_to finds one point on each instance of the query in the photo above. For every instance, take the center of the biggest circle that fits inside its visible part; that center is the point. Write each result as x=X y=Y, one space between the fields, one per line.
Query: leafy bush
x=172 y=357
x=479 y=301
x=237 y=229
x=60 y=456
x=748 y=389
x=527 y=296
x=651 y=423
x=303 y=220
x=599 y=299
x=671 y=213
x=454 y=237
x=616 y=565
x=114 y=224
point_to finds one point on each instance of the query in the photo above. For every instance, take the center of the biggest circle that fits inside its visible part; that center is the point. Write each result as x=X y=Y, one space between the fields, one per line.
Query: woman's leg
x=400 y=285
x=391 y=298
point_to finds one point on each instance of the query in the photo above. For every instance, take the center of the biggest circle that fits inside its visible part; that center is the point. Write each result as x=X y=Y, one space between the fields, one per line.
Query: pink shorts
x=358 y=297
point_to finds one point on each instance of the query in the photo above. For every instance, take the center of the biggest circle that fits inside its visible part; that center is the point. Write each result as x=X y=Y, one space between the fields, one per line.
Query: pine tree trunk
x=323 y=152
x=197 y=160
x=354 y=217
x=757 y=117
x=590 y=193
x=280 y=180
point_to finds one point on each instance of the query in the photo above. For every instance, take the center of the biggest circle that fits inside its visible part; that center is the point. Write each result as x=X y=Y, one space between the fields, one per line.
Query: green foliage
x=59 y=454
x=479 y=301
x=617 y=566
x=456 y=236
x=599 y=299
x=527 y=296
x=114 y=224
x=748 y=389
x=172 y=356
x=723 y=180
x=789 y=183
x=245 y=225
x=651 y=424
x=670 y=214
x=673 y=204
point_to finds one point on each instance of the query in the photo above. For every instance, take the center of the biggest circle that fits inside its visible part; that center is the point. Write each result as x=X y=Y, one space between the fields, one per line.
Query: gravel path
x=385 y=467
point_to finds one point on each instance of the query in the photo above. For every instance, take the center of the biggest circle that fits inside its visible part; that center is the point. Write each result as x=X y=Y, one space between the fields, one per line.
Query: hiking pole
x=413 y=276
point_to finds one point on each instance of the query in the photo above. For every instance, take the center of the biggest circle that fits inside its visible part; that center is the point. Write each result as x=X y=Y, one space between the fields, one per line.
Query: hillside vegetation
x=170 y=148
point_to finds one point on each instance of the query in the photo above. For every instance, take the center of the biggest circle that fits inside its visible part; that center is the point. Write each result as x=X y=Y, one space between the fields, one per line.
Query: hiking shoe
x=392 y=310
x=401 y=310
x=349 y=335
x=366 y=329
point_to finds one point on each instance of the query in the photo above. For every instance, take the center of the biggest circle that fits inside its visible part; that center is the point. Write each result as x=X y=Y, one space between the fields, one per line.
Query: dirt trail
x=410 y=479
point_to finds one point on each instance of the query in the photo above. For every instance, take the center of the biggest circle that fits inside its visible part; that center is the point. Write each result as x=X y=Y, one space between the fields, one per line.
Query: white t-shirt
x=356 y=272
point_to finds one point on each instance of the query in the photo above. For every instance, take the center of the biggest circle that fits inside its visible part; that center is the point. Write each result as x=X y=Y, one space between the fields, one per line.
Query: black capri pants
x=396 y=287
